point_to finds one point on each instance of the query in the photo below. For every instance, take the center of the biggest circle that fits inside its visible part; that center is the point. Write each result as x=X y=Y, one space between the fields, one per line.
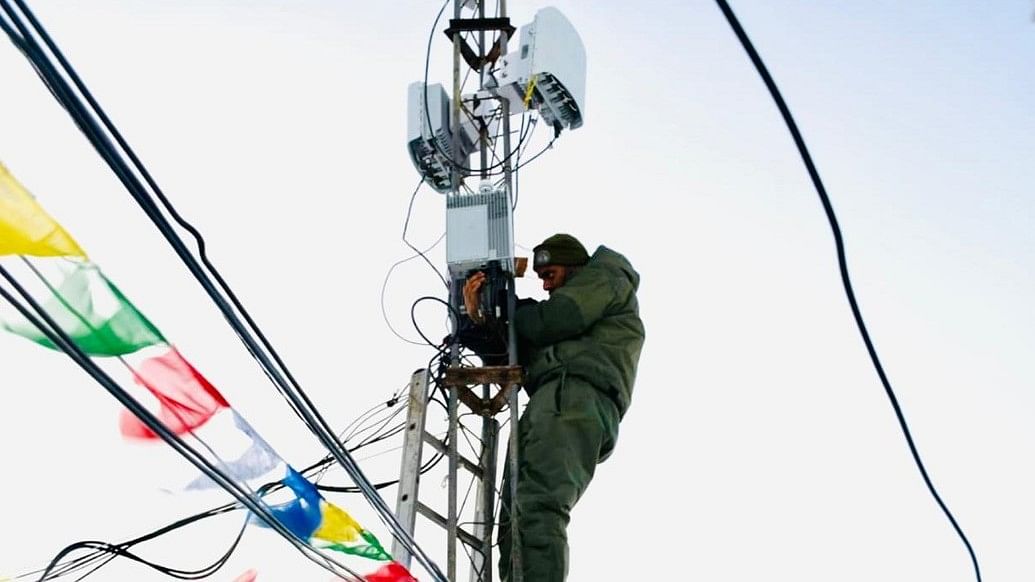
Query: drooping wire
x=292 y=391
x=385 y=428
x=828 y=208
x=413 y=318
x=61 y=340
x=104 y=552
x=356 y=427
x=111 y=551
x=307 y=412
x=384 y=287
x=117 y=549
x=406 y=228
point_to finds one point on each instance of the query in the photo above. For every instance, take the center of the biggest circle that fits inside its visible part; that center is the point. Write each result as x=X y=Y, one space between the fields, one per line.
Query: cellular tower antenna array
x=462 y=145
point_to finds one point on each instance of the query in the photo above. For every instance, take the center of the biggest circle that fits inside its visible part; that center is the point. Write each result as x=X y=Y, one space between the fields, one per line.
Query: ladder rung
x=461 y=533
x=441 y=447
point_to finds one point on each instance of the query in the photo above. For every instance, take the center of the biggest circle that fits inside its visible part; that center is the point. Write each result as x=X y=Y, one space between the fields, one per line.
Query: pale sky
x=759 y=446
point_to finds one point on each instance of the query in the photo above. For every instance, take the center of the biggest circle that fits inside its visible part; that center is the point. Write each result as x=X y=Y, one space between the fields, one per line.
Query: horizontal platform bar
x=466 y=376
x=480 y=24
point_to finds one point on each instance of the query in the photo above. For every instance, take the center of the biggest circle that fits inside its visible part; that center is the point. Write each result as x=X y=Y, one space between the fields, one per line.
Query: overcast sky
x=760 y=444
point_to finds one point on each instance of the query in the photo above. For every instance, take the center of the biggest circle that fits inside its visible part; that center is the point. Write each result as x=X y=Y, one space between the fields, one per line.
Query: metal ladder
x=458 y=381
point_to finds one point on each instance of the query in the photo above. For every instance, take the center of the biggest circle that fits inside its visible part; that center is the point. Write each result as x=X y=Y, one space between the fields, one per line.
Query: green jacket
x=589 y=328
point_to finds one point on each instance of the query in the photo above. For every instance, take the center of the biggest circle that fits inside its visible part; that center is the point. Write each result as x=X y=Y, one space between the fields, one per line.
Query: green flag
x=95 y=314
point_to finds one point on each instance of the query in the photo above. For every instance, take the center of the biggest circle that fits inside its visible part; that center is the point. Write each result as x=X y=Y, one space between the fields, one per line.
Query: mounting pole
x=454 y=421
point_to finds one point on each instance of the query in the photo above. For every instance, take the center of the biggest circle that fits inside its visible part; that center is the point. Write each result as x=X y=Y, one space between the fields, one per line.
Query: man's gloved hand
x=472 y=297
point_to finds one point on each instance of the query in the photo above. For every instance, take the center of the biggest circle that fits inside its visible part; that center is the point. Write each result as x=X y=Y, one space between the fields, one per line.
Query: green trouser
x=566 y=429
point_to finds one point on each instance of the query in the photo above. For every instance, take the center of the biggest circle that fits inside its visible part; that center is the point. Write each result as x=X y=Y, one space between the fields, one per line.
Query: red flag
x=187 y=399
x=247 y=576
x=391 y=572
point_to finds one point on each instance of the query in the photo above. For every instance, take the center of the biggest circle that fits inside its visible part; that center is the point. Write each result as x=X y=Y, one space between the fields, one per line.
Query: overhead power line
x=101 y=553
x=35 y=314
x=90 y=120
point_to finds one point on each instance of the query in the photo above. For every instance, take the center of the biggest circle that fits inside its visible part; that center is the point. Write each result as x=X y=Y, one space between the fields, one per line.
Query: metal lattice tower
x=458 y=383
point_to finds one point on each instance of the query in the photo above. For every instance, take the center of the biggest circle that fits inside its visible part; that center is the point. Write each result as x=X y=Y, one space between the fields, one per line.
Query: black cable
x=413 y=318
x=436 y=378
x=104 y=147
x=27 y=45
x=120 y=550
x=201 y=244
x=828 y=208
x=378 y=432
x=299 y=399
x=62 y=92
x=43 y=321
x=79 y=563
x=383 y=432
x=462 y=325
x=301 y=403
x=100 y=142
x=72 y=565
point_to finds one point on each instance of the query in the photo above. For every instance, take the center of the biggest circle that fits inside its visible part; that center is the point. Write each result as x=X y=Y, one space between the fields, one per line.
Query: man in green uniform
x=580 y=348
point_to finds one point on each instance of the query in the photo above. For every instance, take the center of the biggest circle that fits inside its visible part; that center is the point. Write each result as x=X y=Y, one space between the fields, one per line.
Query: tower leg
x=485 y=512
x=515 y=511
x=454 y=462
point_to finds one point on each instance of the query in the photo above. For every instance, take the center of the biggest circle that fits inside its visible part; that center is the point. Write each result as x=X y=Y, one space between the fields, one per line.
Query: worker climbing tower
x=462 y=144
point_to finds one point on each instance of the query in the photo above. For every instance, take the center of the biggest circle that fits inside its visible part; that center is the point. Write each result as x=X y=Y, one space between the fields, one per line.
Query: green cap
x=559 y=249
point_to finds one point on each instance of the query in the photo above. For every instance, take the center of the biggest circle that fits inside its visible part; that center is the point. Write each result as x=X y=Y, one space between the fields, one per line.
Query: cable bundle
x=28 y=35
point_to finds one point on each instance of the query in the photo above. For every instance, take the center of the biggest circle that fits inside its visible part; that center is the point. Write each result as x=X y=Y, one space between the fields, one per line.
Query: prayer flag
x=94 y=313
x=186 y=398
x=391 y=572
x=27 y=229
x=256 y=462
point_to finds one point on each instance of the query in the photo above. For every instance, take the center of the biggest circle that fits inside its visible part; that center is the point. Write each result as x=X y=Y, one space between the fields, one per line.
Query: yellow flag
x=337 y=525
x=27 y=229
